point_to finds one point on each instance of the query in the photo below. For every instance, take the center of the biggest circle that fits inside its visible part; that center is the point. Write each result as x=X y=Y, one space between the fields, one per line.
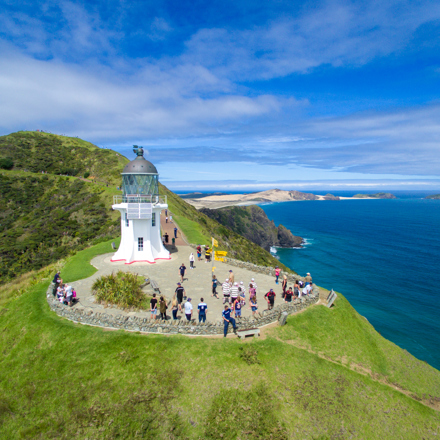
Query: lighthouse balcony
x=140 y=198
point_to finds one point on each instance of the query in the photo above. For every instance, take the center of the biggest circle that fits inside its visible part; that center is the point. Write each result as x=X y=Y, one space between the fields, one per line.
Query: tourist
x=180 y=293
x=188 y=309
x=166 y=211
x=307 y=289
x=68 y=296
x=60 y=292
x=163 y=308
x=171 y=218
x=182 y=270
x=242 y=293
x=191 y=261
x=231 y=278
x=199 y=253
x=296 y=288
x=236 y=307
x=226 y=288
x=75 y=299
x=226 y=314
x=234 y=292
x=175 y=232
x=56 y=281
x=277 y=274
x=253 y=305
x=167 y=237
x=270 y=298
x=308 y=278
x=202 y=307
x=166 y=219
x=254 y=284
x=153 y=306
x=175 y=306
x=207 y=254
x=288 y=295
x=252 y=292
x=284 y=285
x=214 y=286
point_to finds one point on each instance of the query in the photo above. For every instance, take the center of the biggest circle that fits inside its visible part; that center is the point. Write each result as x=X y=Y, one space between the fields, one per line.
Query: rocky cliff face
x=253 y=224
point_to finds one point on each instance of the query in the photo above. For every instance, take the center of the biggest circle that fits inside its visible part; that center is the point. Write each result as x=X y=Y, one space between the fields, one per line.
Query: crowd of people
x=64 y=292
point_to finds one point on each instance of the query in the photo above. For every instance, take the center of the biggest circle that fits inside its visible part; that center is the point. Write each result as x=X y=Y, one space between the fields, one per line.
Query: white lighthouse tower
x=140 y=207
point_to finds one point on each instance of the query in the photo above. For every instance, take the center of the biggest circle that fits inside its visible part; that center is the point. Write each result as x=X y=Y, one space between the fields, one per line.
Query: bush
x=86 y=174
x=122 y=289
x=6 y=163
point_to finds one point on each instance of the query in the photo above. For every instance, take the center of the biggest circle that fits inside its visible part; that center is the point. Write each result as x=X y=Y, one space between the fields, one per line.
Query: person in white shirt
x=254 y=284
x=188 y=309
x=191 y=261
x=234 y=292
x=226 y=291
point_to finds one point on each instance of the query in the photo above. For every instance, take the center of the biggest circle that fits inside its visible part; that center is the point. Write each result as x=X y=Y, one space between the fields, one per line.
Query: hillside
x=252 y=222
x=380 y=195
x=43 y=152
x=326 y=375
x=43 y=218
x=433 y=197
x=199 y=229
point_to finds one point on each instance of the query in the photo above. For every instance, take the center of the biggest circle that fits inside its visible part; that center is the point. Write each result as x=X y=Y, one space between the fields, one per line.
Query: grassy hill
x=55 y=154
x=326 y=375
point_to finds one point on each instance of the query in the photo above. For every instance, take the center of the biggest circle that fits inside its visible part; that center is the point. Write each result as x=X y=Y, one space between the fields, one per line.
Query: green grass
x=77 y=267
x=64 y=380
x=192 y=230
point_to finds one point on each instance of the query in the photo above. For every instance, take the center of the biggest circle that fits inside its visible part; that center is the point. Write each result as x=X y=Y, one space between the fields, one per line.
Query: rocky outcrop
x=433 y=197
x=252 y=223
x=331 y=197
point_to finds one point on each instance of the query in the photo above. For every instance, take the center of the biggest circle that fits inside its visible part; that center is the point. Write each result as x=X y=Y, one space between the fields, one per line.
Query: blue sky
x=230 y=95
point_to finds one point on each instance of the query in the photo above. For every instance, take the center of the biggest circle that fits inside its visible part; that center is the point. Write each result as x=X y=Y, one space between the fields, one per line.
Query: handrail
x=139 y=198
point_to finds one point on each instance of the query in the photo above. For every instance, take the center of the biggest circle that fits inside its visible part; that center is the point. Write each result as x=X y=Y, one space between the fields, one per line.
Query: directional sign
x=221 y=253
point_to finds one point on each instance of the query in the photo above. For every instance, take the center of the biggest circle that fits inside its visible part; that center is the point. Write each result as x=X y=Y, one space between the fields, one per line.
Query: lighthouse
x=140 y=206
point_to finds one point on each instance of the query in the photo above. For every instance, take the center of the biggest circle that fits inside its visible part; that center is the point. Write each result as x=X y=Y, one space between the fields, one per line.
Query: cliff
x=252 y=222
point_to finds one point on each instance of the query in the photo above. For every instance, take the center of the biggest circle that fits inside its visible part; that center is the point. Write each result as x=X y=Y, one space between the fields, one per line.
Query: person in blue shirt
x=202 y=310
x=227 y=318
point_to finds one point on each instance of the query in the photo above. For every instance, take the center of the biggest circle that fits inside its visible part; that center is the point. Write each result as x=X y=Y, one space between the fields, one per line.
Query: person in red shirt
x=270 y=298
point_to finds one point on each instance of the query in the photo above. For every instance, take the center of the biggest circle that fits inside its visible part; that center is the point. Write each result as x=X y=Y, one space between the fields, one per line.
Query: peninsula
x=272 y=195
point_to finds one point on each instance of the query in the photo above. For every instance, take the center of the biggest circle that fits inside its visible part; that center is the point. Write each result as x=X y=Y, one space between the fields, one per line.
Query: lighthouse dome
x=140 y=165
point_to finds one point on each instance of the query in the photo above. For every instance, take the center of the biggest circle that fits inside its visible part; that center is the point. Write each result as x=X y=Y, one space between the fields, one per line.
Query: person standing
x=270 y=298
x=227 y=318
x=163 y=308
x=253 y=305
x=236 y=307
x=153 y=306
x=214 y=286
x=284 y=285
x=174 y=307
x=175 y=231
x=254 y=284
x=191 y=261
x=180 y=292
x=296 y=288
x=166 y=219
x=288 y=295
x=199 y=253
x=252 y=292
x=277 y=274
x=188 y=309
x=202 y=308
x=167 y=237
x=308 y=278
x=226 y=288
x=234 y=292
x=231 y=278
x=56 y=281
x=171 y=218
x=182 y=270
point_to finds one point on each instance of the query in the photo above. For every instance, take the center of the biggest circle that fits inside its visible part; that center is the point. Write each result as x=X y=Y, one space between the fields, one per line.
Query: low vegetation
x=122 y=289
x=294 y=383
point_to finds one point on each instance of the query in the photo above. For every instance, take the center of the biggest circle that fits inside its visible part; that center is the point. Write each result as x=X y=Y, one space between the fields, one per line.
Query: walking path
x=169 y=227
x=197 y=283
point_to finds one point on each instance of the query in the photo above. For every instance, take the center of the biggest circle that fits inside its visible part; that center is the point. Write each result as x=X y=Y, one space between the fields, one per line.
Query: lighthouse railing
x=139 y=198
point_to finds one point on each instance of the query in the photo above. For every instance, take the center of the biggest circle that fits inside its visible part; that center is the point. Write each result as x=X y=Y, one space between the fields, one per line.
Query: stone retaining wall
x=182 y=326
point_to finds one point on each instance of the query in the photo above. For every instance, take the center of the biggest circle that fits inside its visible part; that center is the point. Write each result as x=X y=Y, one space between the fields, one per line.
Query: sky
x=235 y=94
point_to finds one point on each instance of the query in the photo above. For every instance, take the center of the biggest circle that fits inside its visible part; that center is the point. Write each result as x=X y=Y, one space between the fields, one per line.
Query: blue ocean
x=383 y=255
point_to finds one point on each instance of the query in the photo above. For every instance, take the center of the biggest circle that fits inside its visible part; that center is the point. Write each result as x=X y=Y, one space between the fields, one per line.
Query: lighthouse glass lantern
x=140 y=206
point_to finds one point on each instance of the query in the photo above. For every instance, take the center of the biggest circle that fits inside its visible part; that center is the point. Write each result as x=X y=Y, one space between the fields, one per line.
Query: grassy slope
x=45 y=217
x=200 y=228
x=36 y=152
x=79 y=381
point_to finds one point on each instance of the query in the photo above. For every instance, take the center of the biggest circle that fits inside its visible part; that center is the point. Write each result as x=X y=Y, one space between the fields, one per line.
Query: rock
x=283 y=318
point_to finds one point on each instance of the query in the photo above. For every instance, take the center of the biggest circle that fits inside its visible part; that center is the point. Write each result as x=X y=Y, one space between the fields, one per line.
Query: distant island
x=380 y=195
x=434 y=197
x=216 y=201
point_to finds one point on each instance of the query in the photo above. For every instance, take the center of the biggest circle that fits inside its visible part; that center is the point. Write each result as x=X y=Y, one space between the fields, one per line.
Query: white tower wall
x=152 y=247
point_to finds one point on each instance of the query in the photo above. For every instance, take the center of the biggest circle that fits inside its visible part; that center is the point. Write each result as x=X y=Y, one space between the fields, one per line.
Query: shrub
x=86 y=174
x=122 y=289
x=6 y=163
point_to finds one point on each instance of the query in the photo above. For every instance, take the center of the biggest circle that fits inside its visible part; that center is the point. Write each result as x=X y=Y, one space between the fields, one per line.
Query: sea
x=382 y=255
